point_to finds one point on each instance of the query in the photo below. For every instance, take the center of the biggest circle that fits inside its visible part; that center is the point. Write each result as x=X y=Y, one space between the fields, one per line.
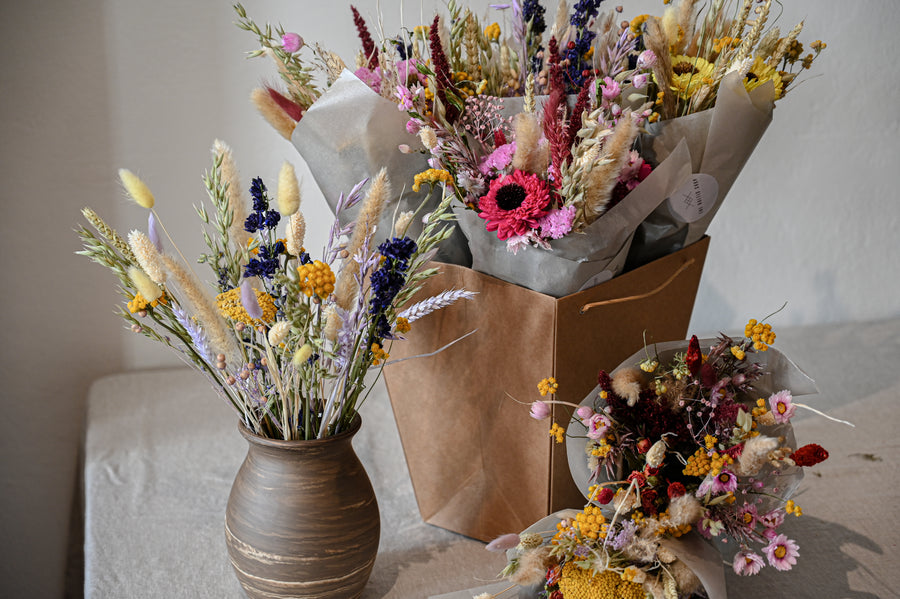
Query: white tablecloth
x=161 y=452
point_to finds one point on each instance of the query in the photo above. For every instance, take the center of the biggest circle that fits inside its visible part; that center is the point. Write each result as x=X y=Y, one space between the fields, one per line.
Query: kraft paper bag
x=480 y=465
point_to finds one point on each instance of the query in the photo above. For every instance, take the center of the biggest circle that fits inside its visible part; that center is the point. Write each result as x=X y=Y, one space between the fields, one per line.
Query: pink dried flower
x=372 y=78
x=514 y=204
x=503 y=542
x=646 y=59
x=597 y=425
x=610 y=88
x=584 y=412
x=747 y=563
x=782 y=407
x=639 y=81
x=406 y=98
x=291 y=42
x=748 y=515
x=773 y=519
x=724 y=482
x=782 y=553
x=557 y=223
x=540 y=410
x=497 y=160
x=413 y=126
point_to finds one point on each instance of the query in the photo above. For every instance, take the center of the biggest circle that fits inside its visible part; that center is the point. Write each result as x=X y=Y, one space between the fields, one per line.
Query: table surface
x=161 y=452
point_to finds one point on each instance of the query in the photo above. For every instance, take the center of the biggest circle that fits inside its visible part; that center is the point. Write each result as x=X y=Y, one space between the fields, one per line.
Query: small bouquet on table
x=685 y=441
x=287 y=340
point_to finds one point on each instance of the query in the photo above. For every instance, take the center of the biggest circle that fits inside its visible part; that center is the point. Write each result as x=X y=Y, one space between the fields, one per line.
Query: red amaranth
x=442 y=77
x=368 y=45
x=810 y=455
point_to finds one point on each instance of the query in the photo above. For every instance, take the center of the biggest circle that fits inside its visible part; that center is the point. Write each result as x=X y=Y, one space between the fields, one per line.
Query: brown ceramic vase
x=302 y=519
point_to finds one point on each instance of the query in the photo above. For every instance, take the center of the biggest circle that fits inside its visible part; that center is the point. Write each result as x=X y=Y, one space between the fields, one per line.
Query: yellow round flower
x=578 y=583
x=759 y=73
x=689 y=74
x=316 y=278
x=230 y=306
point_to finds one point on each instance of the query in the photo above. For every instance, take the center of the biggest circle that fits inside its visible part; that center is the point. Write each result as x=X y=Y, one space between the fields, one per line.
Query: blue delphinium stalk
x=263 y=221
x=582 y=13
x=388 y=280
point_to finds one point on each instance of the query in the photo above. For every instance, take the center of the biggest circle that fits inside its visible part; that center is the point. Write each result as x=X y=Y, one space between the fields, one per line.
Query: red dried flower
x=553 y=575
x=514 y=204
x=675 y=489
x=368 y=45
x=693 y=358
x=638 y=477
x=810 y=455
x=442 y=77
x=644 y=445
x=604 y=380
x=604 y=496
x=648 y=501
x=499 y=138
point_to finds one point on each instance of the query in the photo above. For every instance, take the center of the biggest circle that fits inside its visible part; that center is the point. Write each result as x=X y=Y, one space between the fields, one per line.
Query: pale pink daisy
x=597 y=425
x=747 y=563
x=782 y=407
x=782 y=553
x=724 y=482
x=748 y=515
x=772 y=519
x=540 y=410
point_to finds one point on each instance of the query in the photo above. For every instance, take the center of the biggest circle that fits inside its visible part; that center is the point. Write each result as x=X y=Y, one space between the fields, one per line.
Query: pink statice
x=557 y=223
x=782 y=407
x=747 y=563
x=370 y=77
x=291 y=42
x=497 y=160
x=540 y=410
x=782 y=553
x=725 y=481
x=597 y=426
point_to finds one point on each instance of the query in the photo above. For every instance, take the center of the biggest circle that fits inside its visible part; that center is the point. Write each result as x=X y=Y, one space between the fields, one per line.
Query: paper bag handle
x=629 y=298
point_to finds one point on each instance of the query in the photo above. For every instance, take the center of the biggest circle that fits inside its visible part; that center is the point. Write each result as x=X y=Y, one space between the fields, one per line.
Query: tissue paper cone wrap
x=720 y=141
x=349 y=134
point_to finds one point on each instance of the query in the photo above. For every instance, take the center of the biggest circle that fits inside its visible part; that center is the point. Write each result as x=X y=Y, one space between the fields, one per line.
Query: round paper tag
x=693 y=200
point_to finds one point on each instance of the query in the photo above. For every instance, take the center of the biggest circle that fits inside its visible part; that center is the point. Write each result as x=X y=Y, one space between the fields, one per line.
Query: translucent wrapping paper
x=720 y=141
x=350 y=133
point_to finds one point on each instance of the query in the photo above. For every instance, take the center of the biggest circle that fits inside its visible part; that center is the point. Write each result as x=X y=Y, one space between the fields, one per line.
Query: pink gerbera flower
x=782 y=553
x=782 y=407
x=514 y=204
x=747 y=563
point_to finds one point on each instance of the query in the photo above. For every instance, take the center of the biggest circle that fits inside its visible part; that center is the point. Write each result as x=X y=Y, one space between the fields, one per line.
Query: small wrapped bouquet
x=287 y=339
x=690 y=440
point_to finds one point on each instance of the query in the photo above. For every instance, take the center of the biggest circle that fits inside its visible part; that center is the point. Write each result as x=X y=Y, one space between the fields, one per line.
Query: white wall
x=92 y=86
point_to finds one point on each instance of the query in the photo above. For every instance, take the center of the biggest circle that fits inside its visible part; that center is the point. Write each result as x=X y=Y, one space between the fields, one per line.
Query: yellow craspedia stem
x=137 y=189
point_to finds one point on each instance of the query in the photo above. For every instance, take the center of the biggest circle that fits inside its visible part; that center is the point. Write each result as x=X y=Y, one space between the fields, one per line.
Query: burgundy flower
x=810 y=455
x=648 y=501
x=694 y=358
x=675 y=489
x=604 y=496
x=604 y=380
x=514 y=204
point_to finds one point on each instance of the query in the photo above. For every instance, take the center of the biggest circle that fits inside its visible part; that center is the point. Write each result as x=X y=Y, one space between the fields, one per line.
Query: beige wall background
x=94 y=85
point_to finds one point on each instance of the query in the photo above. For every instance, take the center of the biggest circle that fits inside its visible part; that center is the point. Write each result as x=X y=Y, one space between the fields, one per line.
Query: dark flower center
x=510 y=196
x=683 y=68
